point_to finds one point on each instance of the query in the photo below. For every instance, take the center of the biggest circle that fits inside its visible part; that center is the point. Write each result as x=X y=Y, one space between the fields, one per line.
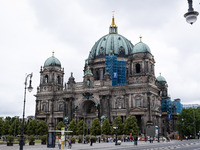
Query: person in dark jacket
x=91 y=141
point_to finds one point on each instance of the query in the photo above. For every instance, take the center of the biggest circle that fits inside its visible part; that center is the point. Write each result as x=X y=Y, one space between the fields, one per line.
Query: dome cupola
x=161 y=78
x=52 y=61
x=112 y=44
x=141 y=47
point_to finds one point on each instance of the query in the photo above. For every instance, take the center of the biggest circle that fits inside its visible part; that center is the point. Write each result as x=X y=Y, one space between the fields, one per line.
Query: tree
x=25 y=127
x=8 y=118
x=13 y=130
x=72 y=127
x=59 y=126
x=106 y=128
x=130 y=126
x=80 y=128
x=42 y=128
x=6 y=127
x=95 y=128
x=120 y=125
x=32 y=127
x=189 y=121
x=1 y=126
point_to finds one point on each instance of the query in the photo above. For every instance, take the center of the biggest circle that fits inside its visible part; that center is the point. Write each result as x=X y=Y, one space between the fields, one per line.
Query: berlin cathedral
x=119 y=80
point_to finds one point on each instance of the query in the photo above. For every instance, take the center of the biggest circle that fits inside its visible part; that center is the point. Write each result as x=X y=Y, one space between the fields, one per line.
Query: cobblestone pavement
x=76 y=146
x=111 y=146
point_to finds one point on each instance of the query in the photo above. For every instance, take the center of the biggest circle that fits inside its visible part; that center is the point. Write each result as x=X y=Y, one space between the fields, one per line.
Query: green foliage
x=120 y=125
x=13 y=130
x=87 y=138
x=106 y=128
x=44 y=138
x=80 y=128
x=10 y=139
x=6 y=127
x=31 y=138
x=42 y=128
x=8 y=118
x=130 y=126
x=80 y=139
x=94 y=139
x=95 y=128
x=72 y=127
x=59 y=126
x=189 y=121
x=32 y=127
x=1 y=126
x=73 y=139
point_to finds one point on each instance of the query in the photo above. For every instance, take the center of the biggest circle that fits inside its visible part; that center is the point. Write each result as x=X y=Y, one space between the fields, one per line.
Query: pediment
x=137 y=109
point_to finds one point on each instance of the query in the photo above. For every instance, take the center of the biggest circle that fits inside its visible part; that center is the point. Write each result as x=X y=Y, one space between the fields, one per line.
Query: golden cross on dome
x=113 y=12
x=140 y=38
x=53 y=53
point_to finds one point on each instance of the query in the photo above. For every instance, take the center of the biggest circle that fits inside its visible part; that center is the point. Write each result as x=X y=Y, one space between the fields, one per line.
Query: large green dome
x=111 y=44
x=141 y=48
x=52 y=61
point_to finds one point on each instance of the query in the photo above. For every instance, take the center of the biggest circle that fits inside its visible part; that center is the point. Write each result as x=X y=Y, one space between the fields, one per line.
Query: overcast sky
x=31 y=29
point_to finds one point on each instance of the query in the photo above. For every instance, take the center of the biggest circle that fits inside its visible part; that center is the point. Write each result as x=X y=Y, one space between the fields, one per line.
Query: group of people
x=60 y=143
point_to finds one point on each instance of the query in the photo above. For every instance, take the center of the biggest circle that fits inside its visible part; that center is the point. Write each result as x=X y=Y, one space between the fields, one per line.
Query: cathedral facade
x=140 y=94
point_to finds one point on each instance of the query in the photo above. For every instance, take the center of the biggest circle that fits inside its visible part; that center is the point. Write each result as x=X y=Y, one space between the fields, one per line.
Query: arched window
x=138 y=102
x=61 y=108
x=137 y=66
x=46 y=79
x=58 y=79
x=97 y=75
x=44 y=107
x=118 y=103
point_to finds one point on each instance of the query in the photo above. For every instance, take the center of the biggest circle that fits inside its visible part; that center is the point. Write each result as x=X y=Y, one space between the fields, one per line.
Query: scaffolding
x=171 y=106
x=116 y=69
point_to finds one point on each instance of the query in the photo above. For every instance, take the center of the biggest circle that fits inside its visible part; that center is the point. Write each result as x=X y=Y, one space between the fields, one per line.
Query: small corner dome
x=161 y=79
x=52 y=61
x=141 y=48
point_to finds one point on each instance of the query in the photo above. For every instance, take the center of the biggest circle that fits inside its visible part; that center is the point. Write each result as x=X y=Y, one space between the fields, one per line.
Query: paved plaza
x=183 y=145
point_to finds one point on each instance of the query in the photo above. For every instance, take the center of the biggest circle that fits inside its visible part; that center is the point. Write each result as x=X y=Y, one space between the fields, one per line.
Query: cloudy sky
x=31 y=29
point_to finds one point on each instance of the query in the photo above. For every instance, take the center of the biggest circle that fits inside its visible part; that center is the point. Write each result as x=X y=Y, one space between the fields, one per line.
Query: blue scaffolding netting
x=116 y=69
x=171 y=106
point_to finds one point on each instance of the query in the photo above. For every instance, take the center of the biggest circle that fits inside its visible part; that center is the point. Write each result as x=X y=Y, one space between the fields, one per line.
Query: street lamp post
x=29 y=89
x=66 y=119
x=191 y=15
x=84 y=114
x=159 y=127
x=118 y=104
x=194 y=124
x=102 y=120
x=181 y=129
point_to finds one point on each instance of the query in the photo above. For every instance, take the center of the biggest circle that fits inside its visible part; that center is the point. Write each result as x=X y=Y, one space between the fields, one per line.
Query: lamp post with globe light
x=191 y=15
x=118 y=106
x=30 y=88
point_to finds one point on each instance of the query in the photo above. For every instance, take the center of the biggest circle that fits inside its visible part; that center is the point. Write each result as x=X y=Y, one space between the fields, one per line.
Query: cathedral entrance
x=139 y=122
x=90 y=112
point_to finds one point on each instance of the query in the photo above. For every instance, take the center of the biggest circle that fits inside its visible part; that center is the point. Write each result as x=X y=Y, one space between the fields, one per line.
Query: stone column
x=129 y=101
x=51 y=116
x=133 y=100
x=108 y=107
x=126 y=97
